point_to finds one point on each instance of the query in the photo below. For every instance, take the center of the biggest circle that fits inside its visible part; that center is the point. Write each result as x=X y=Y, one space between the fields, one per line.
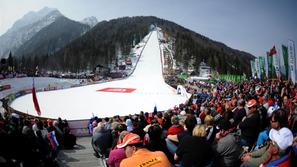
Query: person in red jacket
x=175 y=128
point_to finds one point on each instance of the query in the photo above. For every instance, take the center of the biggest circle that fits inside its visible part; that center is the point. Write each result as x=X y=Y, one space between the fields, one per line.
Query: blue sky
x=253 y=26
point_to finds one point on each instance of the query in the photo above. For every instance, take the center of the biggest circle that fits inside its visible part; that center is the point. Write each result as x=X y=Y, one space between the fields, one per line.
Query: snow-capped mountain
x=52 y=37
x=30 y=18
x=91 y=21
x=25 y=28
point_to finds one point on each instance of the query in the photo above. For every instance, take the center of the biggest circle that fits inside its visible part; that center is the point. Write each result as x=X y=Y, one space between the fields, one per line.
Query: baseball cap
x=130 y=139
x=251 y=103
x=283 y=138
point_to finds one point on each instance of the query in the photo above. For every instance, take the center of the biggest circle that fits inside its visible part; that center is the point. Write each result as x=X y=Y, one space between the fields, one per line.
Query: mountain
x=25 y=28
x=52 y=37
x=30 y=18
x=98 y=46
x=91 y=21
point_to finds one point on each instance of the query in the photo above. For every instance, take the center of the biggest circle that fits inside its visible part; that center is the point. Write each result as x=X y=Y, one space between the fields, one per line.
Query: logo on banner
x=117 y=90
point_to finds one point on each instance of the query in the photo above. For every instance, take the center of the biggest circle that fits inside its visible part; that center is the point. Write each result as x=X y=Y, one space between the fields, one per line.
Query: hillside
x=99 y=45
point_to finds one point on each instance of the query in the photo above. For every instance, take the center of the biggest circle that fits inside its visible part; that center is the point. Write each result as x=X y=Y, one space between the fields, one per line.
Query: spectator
x=137 y=155
x=101 y=141
x=175 y=128
x=156 y=142
x=278 y=120
x=281 y=140
x=195 y=150
x=117 y=154
x=226 y=148
x=117 y=129
x=239 y=113
x=210 y=128
x=250 y=125
x=129 y=125
x=173 y=140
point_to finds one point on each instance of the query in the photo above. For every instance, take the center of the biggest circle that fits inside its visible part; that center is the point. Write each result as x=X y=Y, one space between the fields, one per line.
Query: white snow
x=91 y=21
x=83 y=102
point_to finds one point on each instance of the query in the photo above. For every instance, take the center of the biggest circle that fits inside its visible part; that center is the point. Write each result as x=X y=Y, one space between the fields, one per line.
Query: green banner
x=262 y=66
x=270 y=66
x=229 y=77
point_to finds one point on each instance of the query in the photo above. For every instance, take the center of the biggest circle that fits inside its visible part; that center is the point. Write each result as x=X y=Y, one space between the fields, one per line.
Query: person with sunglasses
x=276 y=153
x=279 y=124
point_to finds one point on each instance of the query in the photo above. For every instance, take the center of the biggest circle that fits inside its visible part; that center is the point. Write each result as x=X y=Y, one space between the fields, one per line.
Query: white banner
x=292 y=60
x=257 y=64
x=276 y=62
x=253 y=68
x=266 y=66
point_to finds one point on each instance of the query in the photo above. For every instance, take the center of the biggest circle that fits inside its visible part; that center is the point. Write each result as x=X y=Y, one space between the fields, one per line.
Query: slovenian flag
x=53 y=140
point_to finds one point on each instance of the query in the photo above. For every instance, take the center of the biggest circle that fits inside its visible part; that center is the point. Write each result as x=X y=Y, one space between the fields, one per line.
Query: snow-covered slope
x=143 y=90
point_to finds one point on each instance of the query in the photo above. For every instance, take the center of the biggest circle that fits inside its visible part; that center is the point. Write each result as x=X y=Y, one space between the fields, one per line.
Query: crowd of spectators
x=247 y=124
x=28 y=142
x=250 y=123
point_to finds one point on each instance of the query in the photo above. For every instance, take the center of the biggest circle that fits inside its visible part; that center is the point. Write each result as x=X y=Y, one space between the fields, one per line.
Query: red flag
x=272 y=51
x=35 y=101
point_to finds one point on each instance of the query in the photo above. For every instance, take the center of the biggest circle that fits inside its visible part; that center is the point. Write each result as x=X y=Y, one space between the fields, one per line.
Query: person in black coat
x=101 y=141
x=195 y=150
x=250 y=125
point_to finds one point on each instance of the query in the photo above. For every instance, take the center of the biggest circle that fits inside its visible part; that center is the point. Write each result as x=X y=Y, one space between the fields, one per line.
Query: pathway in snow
x=143 y=90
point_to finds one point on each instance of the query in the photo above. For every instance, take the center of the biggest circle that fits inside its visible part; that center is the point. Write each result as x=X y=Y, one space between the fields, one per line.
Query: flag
x=35 y=101
x=270 y=65
x=257 y=64
x=253 y=68
x=292 y=60
x=276 y=62
x=266 y=66
x=51 y=136
x=262 y=66
x=272 y=51
x=286 y=62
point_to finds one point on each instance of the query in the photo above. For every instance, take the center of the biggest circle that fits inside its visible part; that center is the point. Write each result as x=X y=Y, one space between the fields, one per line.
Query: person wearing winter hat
x=137 y=155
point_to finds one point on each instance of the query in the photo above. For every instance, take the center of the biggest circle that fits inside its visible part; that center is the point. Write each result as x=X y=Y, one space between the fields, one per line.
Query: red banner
x=117 y=90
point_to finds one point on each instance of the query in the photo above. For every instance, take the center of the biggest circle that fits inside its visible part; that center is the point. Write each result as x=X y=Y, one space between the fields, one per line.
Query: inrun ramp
x=142 y=91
